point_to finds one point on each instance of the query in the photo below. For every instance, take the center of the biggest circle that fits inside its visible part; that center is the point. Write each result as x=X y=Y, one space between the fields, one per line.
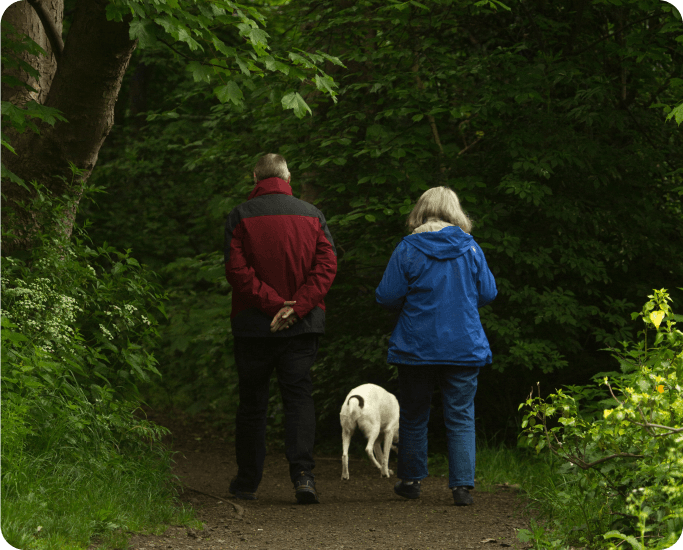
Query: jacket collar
x=271 y=186
x=432 y=224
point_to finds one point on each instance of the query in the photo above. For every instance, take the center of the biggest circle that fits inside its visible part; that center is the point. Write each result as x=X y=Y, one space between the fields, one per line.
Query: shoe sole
x=468 y=502
x=307 y=497
x=404 y=495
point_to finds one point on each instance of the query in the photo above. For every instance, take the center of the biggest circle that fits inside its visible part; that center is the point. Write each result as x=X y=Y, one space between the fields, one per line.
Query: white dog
x=374 y=410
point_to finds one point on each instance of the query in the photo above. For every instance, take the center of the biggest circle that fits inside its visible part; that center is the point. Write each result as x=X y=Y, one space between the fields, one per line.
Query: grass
x=500 y=465
x=564 y=514
x=73 y=474
x=66 y=505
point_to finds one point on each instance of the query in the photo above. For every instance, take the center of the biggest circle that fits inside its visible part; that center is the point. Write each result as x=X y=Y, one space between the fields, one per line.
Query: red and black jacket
x=277 y=248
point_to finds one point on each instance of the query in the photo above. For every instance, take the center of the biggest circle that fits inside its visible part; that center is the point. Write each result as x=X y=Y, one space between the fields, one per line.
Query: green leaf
x=677 y=114
x=325 y=83
x=628 y=538
x=8 y=146
x=300 y=60
x=243 y=66
x=144 y=31
x=229 y=92
x=294 y=101
x=258 y=38
x=6 y=173
x=331 y=58
x=116 y=12
x=200 y=72
x=222 y=48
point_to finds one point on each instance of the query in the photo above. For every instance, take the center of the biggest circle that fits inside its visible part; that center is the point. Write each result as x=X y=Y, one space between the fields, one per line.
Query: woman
x=438 y=277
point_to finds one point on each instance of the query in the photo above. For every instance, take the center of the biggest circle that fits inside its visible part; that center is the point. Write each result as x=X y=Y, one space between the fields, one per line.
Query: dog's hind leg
x=372 y=438
x=379 y=455
x=346 y=440
x=388 y=438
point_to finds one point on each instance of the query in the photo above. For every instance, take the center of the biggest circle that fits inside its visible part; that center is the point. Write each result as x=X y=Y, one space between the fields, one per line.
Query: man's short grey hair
x=271 y=166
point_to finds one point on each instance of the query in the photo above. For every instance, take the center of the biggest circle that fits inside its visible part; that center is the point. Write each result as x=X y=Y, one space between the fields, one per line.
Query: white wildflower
x=106 y=332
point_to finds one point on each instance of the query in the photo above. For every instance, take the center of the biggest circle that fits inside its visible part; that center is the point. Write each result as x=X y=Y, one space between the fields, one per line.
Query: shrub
x=78 y=327
x=621 y=438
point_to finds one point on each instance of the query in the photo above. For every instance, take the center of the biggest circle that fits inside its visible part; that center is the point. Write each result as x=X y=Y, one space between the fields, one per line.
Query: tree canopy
x=548 y=119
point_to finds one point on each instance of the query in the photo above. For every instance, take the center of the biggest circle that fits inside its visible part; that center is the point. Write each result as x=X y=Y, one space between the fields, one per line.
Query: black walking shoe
x=305 y=492
x=236 y=490
x=462 y=497
x=408 y=489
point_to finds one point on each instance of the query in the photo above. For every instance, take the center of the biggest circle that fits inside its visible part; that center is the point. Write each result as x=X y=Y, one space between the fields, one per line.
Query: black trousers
x=292 y=359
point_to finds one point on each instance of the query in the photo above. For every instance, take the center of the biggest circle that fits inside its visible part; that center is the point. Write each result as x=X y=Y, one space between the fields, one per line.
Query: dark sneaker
x=305 y=492
x=462 y=497
x=239 y=492
x=408 y=489
x=304 y=487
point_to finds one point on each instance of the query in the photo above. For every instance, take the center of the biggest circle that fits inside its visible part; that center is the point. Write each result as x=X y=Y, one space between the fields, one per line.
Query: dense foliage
x=78 y=329
x=220 y=58
x=621 y=438
x=554 y=122
x=544 y=117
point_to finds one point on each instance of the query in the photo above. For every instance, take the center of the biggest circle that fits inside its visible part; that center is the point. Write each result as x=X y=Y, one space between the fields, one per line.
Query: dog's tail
x=361 y=401
x=355 y=407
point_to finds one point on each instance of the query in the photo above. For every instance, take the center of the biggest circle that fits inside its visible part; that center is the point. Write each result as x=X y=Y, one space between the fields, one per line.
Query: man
x=280 y=261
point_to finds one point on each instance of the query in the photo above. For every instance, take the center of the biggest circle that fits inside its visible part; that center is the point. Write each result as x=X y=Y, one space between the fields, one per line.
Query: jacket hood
x=271 y=186
x=440 y=240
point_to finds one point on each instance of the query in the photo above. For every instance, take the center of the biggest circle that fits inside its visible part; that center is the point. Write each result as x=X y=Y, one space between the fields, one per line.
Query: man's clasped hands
x=284 y=318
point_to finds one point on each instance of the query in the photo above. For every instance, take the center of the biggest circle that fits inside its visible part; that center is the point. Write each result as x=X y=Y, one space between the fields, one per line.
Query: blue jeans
x=292 y=359
x=458 y=388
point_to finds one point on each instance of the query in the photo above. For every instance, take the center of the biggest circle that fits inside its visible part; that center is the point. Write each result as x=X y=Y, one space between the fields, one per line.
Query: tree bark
x=26 y=21
x=85 y=87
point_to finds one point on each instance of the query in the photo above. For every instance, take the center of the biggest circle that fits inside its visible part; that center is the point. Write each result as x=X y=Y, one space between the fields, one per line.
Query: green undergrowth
x=80 y=466
x=619 y=443
x=499 y=465
x=548 y=492
x=61 y=504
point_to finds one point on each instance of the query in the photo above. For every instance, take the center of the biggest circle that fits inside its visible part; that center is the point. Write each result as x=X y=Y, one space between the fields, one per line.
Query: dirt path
x=362 y=513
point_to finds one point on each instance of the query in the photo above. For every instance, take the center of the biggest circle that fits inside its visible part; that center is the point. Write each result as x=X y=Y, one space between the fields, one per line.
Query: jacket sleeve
x=241 y=275
x=486 y=284
x=393 y=288
x=320 y=277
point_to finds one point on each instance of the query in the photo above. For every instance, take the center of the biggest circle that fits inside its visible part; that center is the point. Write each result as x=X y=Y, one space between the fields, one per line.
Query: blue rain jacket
x=438 y=279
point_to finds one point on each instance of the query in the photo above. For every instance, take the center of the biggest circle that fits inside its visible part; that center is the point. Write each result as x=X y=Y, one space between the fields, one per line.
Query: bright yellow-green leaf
x=656 y=318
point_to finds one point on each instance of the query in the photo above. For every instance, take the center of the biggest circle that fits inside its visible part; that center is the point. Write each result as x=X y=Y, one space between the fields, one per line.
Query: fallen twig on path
x=237 y=507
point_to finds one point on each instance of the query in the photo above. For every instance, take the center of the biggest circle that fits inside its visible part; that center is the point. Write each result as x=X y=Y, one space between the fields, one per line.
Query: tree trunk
x=25 y=21
x=85 y=86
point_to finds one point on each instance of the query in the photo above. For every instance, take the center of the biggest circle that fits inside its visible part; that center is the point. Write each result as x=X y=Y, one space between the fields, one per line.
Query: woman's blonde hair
x=441 y=203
